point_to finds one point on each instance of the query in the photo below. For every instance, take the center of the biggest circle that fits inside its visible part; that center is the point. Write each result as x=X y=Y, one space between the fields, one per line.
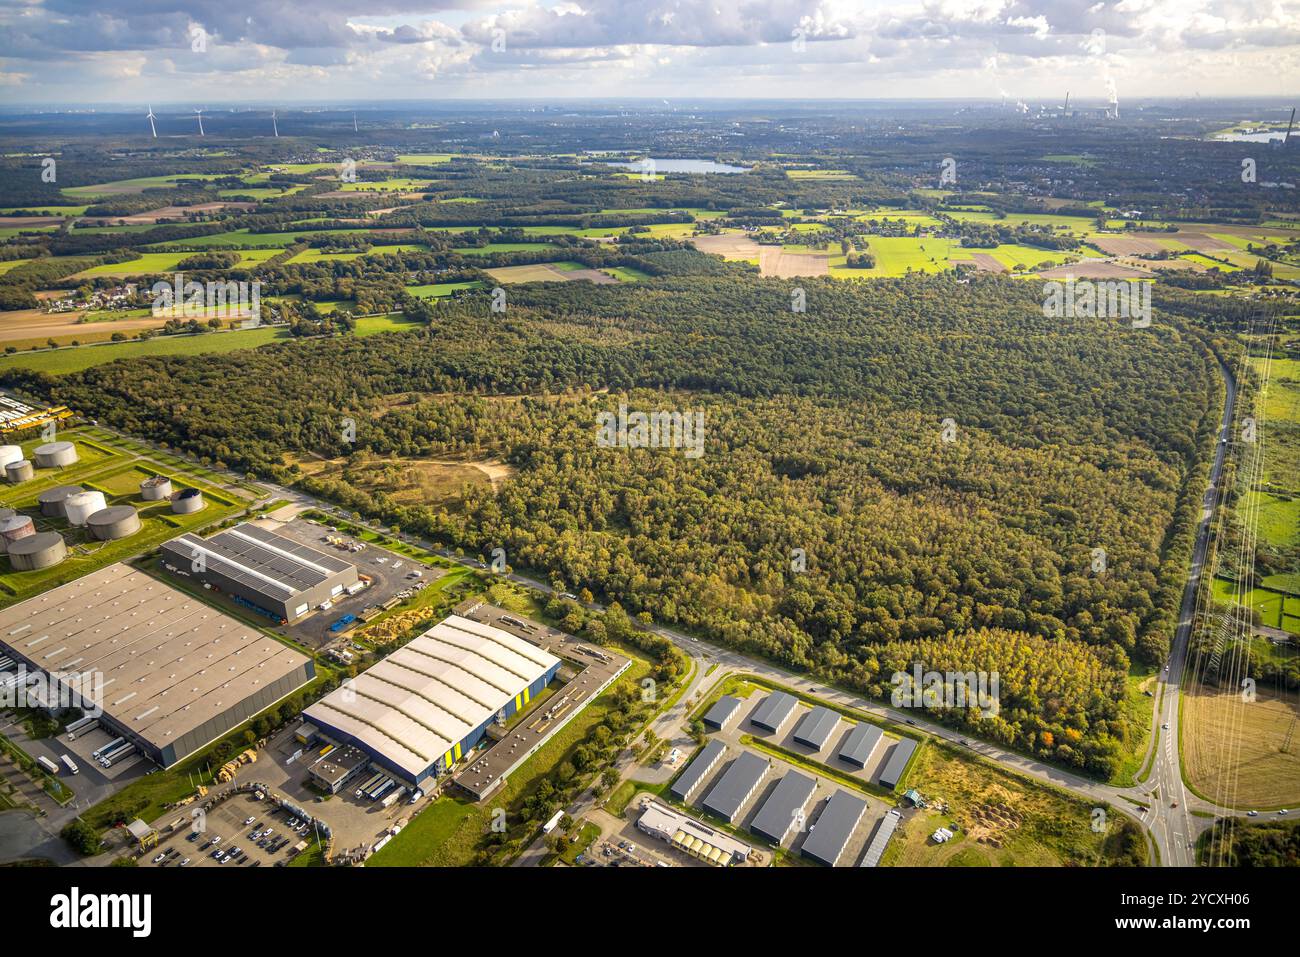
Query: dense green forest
x=969 y=545
x=1267 y=844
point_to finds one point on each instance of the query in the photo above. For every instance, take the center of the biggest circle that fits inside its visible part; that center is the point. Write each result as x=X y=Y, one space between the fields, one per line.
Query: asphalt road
x=1175 y=828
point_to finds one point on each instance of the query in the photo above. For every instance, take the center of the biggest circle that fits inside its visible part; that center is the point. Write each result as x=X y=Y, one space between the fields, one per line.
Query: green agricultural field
x=46 y=210
x=123 y=186
x=502 y=248
x=258 y=193
x=1276 y=609
x=424 y=159
x=150 y=263
x=392 y=322
x=63 y=361
x=242 y=238
x=12 y=264
x=438 y=290
x=393 y=185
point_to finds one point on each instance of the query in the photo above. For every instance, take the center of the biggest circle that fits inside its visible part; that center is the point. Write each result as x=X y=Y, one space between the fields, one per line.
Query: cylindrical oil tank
x=187 y=500
x=9 y=453
x=81 y=506
x=51 y=500
x=37 y=551
x=117 y=521
x=19 y=471
x=156 y=488
x=6 y=513
x=14 y=528
x=54 y=454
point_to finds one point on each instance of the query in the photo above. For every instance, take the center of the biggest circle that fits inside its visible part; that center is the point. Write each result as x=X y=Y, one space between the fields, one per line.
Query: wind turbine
x=274 y=128
x=199 y=114
x=152 y=129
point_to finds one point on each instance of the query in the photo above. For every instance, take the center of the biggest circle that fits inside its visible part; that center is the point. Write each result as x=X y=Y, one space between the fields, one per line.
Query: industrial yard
x=89 y=499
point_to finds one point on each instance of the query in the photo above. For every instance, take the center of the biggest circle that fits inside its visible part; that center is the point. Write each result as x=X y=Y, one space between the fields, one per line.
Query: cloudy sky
x=97 y=51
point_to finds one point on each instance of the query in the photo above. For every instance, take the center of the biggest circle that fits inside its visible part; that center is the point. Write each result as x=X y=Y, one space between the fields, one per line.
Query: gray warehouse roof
x=897 y=763
x=261 y=560
x=774 y=711
x=170 y=664
x=736 y=785
x=723 y=710
x=778 y=813
x=698 y=770
x=859 y=744
x=425 y=698
x=816 y=727
x=833 y=828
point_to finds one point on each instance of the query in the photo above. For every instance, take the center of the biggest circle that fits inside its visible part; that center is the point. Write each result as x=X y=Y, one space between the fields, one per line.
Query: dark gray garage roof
x=261 y=560
x=859 y=744
x=774 y=710
x=816 y=727
x=897 y=762
x=697 y=770
x=833 y=828
x=736 y=785
x=723 y=710
x=777 y=815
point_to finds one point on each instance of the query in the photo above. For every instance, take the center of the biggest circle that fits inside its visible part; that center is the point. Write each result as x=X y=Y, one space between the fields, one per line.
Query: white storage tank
x=9 y=453
x=156 y=488
x=51 y=500
x=37 y=551
x=55 y=454
x=19 y=471
x=14 y=528
x=117 y=521
x=187 y=500
x=78 y=508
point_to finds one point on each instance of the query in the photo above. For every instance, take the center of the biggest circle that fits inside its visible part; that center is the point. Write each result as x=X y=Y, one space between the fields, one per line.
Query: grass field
x=438 y=290
x=1003 y=820
x=1246 y=755
x=149 y=263
x=63 y=361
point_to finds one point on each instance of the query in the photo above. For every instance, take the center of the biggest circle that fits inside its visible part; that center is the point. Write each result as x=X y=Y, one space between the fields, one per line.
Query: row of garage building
x=814 y=730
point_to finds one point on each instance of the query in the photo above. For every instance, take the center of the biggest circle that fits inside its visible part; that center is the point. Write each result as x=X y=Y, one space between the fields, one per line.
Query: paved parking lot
x=229 y=821
x=389 y=571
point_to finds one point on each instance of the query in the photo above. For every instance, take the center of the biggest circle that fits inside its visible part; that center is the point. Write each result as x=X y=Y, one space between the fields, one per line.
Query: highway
x=1175 y=828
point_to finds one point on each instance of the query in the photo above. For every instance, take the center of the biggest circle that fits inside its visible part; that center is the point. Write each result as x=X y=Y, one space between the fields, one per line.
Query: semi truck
x=70 y=764
x=47 y=764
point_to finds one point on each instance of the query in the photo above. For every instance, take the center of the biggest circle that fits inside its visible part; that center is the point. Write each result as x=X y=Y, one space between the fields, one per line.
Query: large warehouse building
x=277 y=576
x=175 y=674
x=420 y=709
